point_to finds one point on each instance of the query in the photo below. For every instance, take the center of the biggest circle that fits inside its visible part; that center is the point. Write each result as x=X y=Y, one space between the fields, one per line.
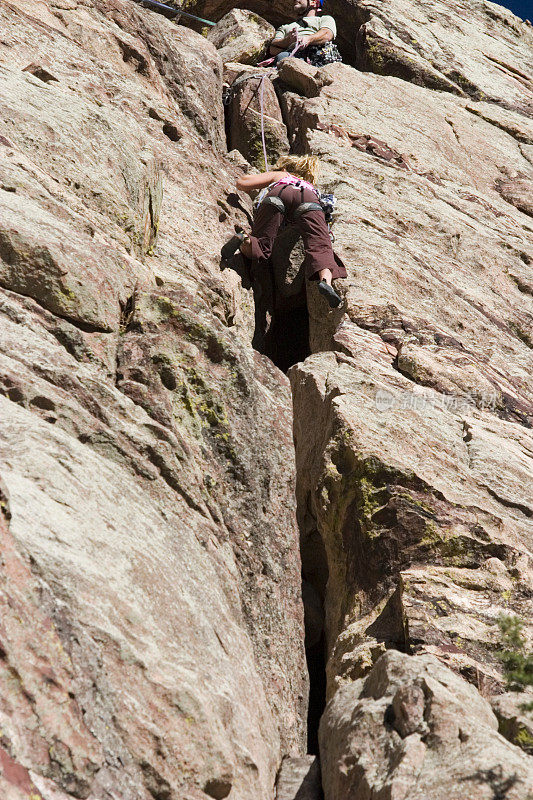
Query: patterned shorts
x=321 y=54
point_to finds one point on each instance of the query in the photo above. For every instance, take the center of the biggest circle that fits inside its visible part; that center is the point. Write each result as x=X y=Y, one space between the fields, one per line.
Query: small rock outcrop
x=402 y=732
x=299 y=779
x=241 y=36
x=253 y=111
x=301 y=77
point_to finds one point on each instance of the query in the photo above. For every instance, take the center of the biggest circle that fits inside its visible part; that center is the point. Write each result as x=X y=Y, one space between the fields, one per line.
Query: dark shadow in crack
x=281 y=329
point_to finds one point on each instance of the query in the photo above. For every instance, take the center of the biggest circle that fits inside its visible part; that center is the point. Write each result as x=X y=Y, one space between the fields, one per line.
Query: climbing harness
x=304 y=208
x=156 y=5
x=326 y=203
x=277 y=202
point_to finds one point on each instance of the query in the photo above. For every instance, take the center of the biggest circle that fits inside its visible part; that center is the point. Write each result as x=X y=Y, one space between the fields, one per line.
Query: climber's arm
x=320 y=37
x=280 y=43
x=276 y=46
x=249 y=183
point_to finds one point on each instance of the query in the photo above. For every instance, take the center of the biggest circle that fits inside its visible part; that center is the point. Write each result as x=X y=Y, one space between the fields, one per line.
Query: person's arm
x=278 y=44
x=249 y=183
x=320 y=37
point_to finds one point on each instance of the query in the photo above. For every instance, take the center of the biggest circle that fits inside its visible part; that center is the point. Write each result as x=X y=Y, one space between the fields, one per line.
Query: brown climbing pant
x=311 y=226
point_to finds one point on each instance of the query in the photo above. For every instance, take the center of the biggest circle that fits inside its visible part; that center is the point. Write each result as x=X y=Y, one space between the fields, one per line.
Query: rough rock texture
x=299 y=779
x=477 y=49
x=151 y=639
x=250 y=89
x=518 y=191
x=151 y=642
x=241 y=36
x=414 y=474
x=402 y=732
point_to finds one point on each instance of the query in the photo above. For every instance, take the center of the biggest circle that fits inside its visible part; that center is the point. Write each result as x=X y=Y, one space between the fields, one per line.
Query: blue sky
x=522 y=8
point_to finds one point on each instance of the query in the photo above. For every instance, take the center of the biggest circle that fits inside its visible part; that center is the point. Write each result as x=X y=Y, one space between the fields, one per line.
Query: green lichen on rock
x=275 y=140
x=198 y=407
x=372 y=499
x=522 y=334
x=216 y=346
x=68 y=293
x=524 y=739
x=199 y=399
x=374 y=56
x=385 y=58
x=447 y=547
x=358 y=484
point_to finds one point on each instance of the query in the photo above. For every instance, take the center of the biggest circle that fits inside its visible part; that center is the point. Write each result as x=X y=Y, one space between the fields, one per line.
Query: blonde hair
x=306 y=167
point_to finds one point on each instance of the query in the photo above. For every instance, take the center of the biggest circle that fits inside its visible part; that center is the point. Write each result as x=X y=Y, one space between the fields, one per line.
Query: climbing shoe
x=231 y=247
x=330 y=294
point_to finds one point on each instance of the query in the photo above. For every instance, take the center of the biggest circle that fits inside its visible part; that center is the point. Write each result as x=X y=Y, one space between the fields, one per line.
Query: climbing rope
x=261 y=105
x=263 y=121
x=226 y=96
x=156 y=5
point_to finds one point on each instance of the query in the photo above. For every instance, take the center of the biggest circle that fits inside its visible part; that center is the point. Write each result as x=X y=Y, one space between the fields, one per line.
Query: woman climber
x=288 y=190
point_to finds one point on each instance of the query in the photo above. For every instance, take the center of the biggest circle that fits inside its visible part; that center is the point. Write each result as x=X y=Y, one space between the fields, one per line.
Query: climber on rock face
x=289 y=191
x=313 y=33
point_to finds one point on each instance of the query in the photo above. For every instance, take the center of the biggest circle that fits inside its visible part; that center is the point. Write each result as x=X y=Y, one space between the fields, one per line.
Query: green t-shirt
x=307 y=26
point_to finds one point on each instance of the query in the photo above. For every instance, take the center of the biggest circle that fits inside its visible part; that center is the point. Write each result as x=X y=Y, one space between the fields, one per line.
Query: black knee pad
x=304 y=208
x=277 y=202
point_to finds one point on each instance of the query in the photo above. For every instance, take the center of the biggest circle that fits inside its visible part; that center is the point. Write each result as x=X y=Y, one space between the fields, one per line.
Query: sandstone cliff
x=156 y=521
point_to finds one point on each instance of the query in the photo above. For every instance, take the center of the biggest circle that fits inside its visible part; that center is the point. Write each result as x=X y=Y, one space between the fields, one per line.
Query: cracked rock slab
x=134 y=648
x=413 y=513
x=402 y=732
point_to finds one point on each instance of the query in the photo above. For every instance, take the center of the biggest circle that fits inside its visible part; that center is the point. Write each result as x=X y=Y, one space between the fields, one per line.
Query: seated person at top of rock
x=315 y=33
x=289 y=191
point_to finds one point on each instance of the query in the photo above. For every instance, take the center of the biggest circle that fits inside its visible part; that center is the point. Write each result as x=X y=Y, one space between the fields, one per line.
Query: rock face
x=152 y=628
x=150 y=574
x=478 y=50
x=413 y=437
x=472 y=49
x=251 y=103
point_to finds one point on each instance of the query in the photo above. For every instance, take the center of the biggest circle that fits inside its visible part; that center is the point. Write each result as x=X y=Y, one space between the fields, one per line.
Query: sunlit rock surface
x=151 y=640
x=152 y=629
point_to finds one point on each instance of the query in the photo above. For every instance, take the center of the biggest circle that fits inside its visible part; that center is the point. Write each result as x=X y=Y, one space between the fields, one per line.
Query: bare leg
x=324 y=275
